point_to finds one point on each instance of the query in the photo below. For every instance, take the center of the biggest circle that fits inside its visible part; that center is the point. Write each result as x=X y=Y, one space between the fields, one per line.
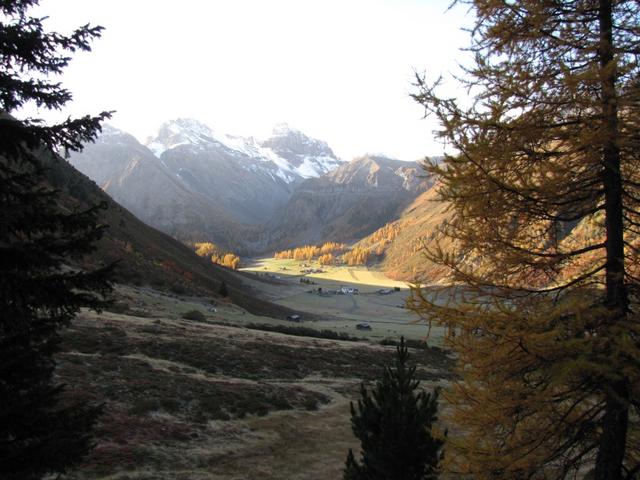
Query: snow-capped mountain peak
x=308 y=156
x=288 y=154
x=282 y=129
x=182 y=131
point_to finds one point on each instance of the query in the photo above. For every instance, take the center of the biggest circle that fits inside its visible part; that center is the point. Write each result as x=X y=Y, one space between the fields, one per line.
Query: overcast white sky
x=339 y=70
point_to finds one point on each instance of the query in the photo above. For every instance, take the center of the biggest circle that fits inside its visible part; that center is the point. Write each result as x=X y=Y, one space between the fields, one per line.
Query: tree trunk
x=615 y=420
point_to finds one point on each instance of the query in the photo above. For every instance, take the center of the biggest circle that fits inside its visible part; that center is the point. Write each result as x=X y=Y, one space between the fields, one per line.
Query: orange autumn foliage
x=309 y=252
x=357 y=256
x=217 y=255
x=327 y=259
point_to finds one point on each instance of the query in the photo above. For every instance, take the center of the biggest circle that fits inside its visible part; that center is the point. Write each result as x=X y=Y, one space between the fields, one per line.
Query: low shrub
x=118 y=307
x=417 y=344
x=143 y=406
x=311 y=403
x=196 y=315
x=178 y=289
x=303 y=332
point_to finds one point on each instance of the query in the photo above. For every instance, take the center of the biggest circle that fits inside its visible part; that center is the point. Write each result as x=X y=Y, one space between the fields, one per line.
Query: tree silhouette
x=42 y=233
x=394 y=424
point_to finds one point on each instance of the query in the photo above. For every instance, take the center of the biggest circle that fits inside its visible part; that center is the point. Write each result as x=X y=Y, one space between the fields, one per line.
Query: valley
x=253 y=380
x=247 y=195
x=196 y=385
x=257 y=384
x=213 y=399
x=188 y=303
x=379 y=301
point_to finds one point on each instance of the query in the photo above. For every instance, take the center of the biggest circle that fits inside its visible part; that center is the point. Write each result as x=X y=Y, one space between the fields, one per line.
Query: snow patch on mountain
x=288 y=154
x=252 y=148
x=183 y=131
x=308 y=157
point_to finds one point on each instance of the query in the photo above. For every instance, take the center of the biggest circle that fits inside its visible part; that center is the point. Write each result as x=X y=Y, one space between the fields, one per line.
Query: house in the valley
x=347 y=291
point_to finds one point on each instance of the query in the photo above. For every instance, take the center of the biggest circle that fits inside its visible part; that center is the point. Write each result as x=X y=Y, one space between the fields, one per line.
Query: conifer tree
x=394 y=424
x=41 y=235
x=223 y=291
x=544 y=190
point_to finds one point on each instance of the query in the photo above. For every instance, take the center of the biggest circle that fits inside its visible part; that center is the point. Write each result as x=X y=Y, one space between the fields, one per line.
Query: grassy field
x=386 y=313
x=211 y=399
x=353 y=275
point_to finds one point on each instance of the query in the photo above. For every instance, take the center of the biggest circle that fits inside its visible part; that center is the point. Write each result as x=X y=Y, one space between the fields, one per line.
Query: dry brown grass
x=195 y=400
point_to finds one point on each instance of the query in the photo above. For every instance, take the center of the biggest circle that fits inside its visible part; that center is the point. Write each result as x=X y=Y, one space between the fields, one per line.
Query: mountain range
x=248 y=195
x=256 y=197
x=195 y=184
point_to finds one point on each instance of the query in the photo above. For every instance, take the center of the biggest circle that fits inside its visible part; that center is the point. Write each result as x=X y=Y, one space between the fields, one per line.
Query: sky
x=338 y=70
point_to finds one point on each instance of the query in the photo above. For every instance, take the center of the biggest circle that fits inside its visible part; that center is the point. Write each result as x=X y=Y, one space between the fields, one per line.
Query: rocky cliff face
x=248 y=179
x=288 y=154
x=247 y=192
x=308 y=156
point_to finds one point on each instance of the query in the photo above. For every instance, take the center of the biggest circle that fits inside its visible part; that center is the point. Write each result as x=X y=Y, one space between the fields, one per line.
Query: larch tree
x=544 y=190
x=41 y=236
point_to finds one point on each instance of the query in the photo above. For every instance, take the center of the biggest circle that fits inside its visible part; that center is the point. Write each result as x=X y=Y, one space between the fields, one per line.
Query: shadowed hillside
x=417 y=227
x=145 y=255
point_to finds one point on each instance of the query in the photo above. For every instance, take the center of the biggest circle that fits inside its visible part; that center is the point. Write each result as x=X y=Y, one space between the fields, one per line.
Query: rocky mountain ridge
x=130 y=174
x=287 y=154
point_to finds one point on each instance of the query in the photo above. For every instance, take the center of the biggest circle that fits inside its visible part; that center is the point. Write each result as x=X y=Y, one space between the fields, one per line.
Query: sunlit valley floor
x=342 y=297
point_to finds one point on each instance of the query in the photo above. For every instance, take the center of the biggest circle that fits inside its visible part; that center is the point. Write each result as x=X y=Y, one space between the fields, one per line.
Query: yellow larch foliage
x=309 y=252
x=327 y=259
x=217 y=256
x=206 y=249
x=229 y=260
x=333 y=247
x=546 y=329
x=356 y=256
x=384 y=235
